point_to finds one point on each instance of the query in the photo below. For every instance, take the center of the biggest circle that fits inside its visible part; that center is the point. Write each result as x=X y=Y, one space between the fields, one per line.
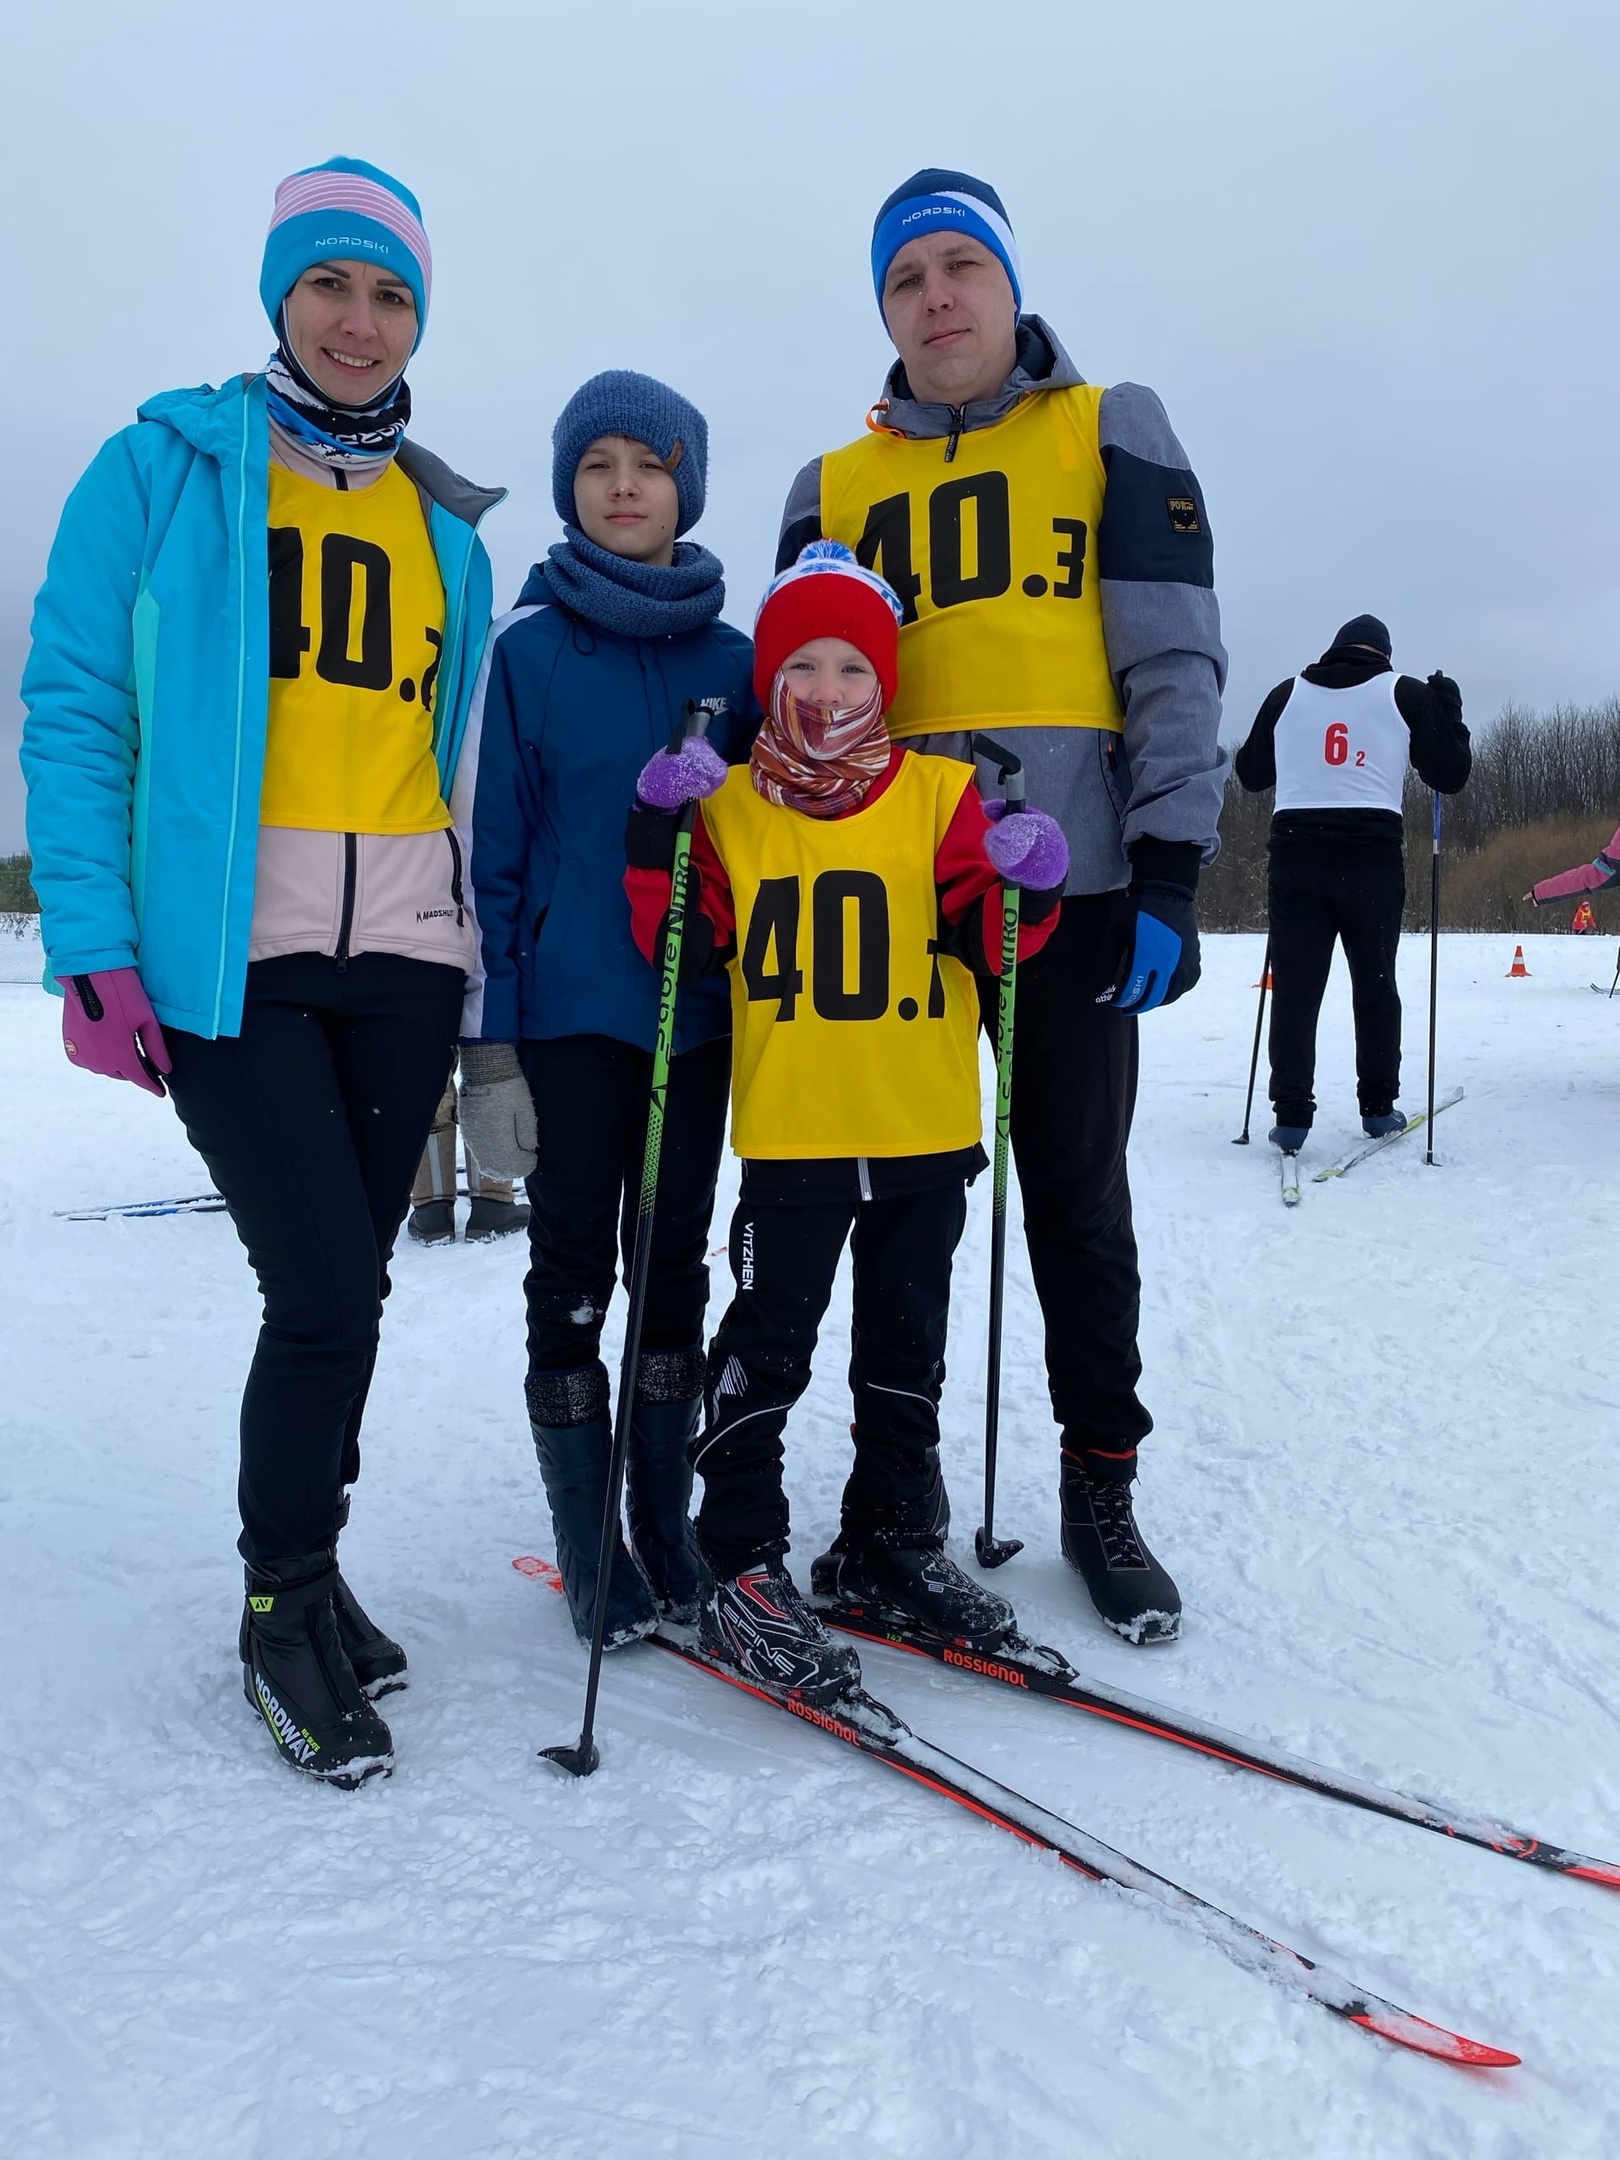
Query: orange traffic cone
x=1518 y=968
x=1265 y=982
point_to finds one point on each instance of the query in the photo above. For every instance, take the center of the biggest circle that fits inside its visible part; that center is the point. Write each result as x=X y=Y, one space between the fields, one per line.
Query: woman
x=615 y=635
x=252 y=667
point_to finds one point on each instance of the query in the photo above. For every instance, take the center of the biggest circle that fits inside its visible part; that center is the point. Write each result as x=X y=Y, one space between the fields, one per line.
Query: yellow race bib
x=852 y=1034
x=356 y=630
x=994 y=559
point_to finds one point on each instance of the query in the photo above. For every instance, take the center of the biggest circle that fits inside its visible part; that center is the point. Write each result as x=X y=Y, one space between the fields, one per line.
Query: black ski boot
x=758 y=1623
x=295 y=1674
x=658 y=1477
x=487 y=1219
x=433 y=1223
x=1129 y=1588
x=574 y=1441
x=914 y=1586
x=378 y=1661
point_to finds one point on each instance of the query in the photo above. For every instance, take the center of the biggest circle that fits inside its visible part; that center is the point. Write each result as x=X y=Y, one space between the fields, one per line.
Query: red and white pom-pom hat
x=827 y=593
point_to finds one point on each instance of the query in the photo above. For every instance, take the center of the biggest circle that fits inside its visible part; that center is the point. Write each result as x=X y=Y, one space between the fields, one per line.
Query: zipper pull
x=958 y=420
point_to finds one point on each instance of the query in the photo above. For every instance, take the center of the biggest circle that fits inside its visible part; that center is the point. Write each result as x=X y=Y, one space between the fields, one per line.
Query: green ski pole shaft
x=993 y=1551
x=583 y=1759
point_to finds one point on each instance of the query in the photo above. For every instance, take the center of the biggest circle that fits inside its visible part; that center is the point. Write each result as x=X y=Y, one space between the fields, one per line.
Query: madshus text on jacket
x=1002 y=549
x=564 y=717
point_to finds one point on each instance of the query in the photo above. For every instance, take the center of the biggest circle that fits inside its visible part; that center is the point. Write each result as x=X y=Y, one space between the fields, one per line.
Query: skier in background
x=1335 y=741
x=495 y=1210
x=1598 y=875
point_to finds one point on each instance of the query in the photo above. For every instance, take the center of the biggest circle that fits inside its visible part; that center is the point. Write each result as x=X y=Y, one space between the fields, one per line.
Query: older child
x=615 y=632
x=844 y=884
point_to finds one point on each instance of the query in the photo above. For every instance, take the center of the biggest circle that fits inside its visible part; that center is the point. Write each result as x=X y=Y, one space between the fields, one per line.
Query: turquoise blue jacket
x=148 y=691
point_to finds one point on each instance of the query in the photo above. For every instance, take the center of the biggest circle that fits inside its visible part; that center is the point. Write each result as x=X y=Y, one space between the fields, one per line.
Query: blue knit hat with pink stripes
x=939 y=200
x=345 y=210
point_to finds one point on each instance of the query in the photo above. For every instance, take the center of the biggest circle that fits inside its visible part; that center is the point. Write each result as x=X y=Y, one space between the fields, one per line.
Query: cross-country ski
x=1288 y=1175
x=1415 y=1123
x=138 y=1210
x=863 y=1723
x=1037 y=1669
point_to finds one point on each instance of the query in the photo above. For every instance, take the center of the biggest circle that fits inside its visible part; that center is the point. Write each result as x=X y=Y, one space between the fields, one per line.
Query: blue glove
x=1161 y=958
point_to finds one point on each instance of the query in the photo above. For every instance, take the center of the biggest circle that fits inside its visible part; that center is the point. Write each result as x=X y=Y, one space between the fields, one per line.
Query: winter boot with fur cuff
x=296 y=1675
x=574 y=1441
x=1129 y=1588
x=658 y=1477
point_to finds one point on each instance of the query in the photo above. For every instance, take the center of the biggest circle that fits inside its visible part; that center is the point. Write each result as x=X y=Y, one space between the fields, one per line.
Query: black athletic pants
x=311 y=1121
x=784 y=1259
x=591 y=1096
x=1074 y=1093
x=1359 y=900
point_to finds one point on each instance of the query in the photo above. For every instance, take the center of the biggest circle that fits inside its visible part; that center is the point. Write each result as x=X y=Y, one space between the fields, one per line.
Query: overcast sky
x=1365 y=253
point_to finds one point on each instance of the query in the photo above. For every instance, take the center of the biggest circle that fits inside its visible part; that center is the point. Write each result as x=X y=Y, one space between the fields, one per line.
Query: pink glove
x=108 y=1027
x=671 y=778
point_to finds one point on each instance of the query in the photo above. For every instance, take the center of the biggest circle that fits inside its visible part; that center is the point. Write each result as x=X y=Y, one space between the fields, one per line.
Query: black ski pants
x=591 y=1095
x=311 y=1121
x=784 y=1259
x=1359 y=900
x=1073 y=1097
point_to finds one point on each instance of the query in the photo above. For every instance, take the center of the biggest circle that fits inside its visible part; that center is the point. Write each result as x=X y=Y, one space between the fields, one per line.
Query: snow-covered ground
x=1384 y=1471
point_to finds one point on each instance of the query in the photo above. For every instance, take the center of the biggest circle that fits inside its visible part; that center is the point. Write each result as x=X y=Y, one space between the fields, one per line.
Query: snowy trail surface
x=1383 y=1471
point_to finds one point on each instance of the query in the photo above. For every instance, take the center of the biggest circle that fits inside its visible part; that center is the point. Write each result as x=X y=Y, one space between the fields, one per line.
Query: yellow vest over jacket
x=852 y=1034
x=356 y=629
x=994 y=558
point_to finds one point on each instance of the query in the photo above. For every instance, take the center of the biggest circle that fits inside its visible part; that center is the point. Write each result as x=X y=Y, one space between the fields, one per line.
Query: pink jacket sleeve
x=1593 y=876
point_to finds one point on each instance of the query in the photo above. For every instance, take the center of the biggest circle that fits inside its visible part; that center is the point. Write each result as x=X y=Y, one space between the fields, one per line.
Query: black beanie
x=1363 y=630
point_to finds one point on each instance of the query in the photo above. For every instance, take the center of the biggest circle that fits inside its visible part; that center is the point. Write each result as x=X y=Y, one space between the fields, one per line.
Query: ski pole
x=581 y=1760
x=1616 y=983
x=1434 y=968
x=1242 y=1139
x=993 y=1552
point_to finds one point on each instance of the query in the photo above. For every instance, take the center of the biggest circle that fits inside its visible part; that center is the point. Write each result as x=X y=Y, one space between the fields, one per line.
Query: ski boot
x=758 y=1624
x=433 y=1223
x=295 y=1674
x=488 y=1219
x=1130 y=1590
x=911 y=1586
x=1290 y=1138
x=658 y=1477
x=574 y=1441
x=378 y=1661
x=1378 y=1124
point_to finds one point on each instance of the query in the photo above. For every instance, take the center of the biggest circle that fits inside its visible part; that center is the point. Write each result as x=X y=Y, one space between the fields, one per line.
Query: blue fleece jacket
x=148 y=695
x=565 y=717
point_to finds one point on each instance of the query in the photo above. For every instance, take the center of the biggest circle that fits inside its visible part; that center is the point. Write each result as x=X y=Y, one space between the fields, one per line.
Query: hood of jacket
x=1041 y=364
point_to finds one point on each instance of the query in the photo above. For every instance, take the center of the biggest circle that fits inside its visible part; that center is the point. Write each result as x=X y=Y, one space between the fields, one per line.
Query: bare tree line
x=1544 y=792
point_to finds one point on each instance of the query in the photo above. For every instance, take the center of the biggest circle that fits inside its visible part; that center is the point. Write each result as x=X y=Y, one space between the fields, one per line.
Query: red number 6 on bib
x=1336 y=743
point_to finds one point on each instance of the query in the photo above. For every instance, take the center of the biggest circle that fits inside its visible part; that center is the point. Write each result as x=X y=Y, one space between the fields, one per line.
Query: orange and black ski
x=1034 y=1669
x=861 y=1722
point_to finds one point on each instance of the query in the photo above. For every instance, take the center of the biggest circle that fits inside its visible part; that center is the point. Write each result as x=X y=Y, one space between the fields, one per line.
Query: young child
x=851 y=889
x=615 y=632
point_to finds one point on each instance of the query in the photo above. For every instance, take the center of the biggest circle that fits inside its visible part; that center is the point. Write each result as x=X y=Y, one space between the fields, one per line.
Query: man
x=1053 y=555
x=1335 y=742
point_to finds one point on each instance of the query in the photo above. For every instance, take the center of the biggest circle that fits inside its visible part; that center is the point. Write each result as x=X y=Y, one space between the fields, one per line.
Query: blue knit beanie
x=937 y=200
x=345 y=209
x=621 y=402
x=1363 y=630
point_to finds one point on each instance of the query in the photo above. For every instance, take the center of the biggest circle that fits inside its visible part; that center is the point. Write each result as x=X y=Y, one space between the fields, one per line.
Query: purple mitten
x=108 y=1027
x=1027 y=849
x=690 y=774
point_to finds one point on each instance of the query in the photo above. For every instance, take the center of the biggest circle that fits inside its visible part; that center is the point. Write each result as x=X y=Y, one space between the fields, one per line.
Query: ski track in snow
x=1383 y=1473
